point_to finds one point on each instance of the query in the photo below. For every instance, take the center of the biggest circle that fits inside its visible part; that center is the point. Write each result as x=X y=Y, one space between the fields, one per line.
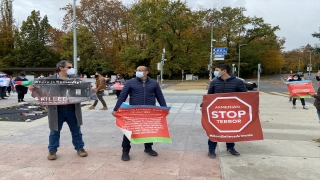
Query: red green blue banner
x=23 y=83
x=143 y=123
x=300 y=89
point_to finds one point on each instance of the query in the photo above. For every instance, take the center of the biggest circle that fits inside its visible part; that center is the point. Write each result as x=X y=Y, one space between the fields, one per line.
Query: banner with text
x=300 y=89
x=62 y=91
x=232 y=117
x=143 y=124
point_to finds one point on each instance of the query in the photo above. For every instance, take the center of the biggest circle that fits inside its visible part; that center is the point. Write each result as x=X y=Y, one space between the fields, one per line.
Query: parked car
x=250 y=85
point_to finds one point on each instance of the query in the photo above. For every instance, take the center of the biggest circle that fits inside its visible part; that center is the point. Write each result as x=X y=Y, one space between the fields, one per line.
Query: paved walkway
x=286 y=153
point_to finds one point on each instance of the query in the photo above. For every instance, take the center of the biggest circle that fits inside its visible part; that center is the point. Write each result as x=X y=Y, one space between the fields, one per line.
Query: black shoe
x=212 y=154
x=233 y=152
x=125 y=157
x=151 y=152
x=19 y=101
x=23 y=100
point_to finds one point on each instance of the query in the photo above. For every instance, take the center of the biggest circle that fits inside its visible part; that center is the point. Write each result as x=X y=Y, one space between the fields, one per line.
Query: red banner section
x=232 y=117
x=300 y=89
x=143 y=124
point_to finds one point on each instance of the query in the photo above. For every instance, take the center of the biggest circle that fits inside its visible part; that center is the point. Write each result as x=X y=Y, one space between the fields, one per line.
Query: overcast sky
x=297 y=19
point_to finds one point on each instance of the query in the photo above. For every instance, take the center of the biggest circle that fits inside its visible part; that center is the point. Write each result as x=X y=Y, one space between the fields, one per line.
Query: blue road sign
x=220 y=50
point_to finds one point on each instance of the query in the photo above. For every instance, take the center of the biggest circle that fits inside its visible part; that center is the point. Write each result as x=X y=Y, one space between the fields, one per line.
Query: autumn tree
x=31 y=43
x=91 y=58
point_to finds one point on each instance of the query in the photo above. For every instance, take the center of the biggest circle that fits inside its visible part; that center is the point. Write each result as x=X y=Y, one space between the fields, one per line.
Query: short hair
x=224 y=67
x=62 y=64
x=99 y=72
x=145 y=68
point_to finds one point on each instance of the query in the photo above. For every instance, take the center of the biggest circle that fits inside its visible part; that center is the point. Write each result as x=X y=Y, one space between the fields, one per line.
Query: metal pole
x=239 y=61
x=211 y=47
x=259 y=71
x=75 y=62
x=310 y=65
x=162 y=63
x=299 y=65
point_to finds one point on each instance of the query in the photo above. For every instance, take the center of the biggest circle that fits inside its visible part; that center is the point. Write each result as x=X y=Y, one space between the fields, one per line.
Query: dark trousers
x=9 y=89
x=301 y=99
x=118 y=93
x=126 y=145
x=1 y=92
x=100 y=97
x=212 y=145
x=20 y=96
x=4 y=91
x=68 y=116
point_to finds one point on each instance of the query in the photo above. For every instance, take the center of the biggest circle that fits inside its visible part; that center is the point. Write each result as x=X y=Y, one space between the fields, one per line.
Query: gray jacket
x=53 y=110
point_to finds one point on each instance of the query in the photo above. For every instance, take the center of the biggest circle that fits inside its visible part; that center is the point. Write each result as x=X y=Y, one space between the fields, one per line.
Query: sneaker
x=104 y=108
x=233 y=152
x=52 y=155
x=151 y=152
x=91 y=107
x=19 y=101
x=304 y=107
x=125 y=156
x=294 y=107
x=23 y=100
x=211 y=154
x=82 y=153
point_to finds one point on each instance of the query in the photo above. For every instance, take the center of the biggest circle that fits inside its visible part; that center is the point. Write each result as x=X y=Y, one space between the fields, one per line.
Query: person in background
x=119 y=80
x=6 y=85
x=318 y=76
x=142 y=91
x=41 y=76
x=10 y=84
x=296 y=77
x=99 y=90
x=224 y=83
x=21 y=90
x=2 y=86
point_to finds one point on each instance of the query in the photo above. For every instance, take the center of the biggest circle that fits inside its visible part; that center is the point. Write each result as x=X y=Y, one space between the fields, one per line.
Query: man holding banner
x=143 y=91
x=224 y=83
x=59 y=113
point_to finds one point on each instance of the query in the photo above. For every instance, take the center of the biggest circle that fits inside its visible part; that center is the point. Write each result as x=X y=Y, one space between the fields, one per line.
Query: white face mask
x=295 y=78
x=139 y=74
x=71 y=71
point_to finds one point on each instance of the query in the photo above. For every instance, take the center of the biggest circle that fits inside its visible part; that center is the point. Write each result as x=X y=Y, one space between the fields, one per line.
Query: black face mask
x=318 y=78
x=96 y=76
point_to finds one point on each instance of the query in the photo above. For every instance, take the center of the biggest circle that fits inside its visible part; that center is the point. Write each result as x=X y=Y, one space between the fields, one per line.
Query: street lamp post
x=211 y=49
x=239 y=58
x=162 y=63
x=310 y=65
x=75 y=56
x=299 y=65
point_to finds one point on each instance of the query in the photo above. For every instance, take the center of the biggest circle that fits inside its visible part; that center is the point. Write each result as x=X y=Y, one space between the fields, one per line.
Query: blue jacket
x=232 y=84
x=141 y=93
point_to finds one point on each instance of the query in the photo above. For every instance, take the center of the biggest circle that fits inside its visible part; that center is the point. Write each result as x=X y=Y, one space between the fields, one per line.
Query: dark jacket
x=19 y=88
x=141 y=93
x=232 y=84
x=317 y=99
x=299 y=79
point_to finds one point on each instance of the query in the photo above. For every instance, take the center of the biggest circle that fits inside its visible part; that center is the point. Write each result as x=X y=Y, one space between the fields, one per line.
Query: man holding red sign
x=143 y=91
x=224 y=83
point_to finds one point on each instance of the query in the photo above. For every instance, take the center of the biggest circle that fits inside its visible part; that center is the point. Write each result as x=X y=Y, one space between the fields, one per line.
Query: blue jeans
x=212 y=145
x=318 y=111
x=54 y=138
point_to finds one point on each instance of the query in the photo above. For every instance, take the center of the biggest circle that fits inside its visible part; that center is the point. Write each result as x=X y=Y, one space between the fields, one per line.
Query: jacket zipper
x=144 y=93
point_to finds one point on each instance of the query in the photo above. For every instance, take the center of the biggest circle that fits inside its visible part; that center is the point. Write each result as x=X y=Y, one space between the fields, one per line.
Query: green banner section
x=149 y=140
x=307 y=96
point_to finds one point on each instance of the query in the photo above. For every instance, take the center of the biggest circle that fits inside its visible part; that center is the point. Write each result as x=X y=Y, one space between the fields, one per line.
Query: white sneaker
x=294 y=106
x=304 y=107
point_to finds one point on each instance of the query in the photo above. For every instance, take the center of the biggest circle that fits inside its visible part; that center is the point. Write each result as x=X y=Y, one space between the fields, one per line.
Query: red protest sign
x=300 y=89
x=232 y=117
x=143 y=124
